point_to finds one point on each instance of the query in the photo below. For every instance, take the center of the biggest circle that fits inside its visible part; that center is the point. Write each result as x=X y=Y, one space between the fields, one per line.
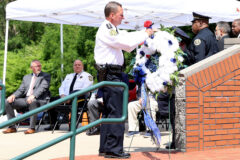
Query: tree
x=78 y=44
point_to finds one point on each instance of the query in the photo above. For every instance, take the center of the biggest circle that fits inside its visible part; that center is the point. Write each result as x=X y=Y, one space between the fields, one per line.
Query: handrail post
x=2 y=98
x=73 y=128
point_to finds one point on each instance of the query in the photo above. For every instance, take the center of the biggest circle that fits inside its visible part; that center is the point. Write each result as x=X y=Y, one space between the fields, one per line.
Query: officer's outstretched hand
x=149 y=31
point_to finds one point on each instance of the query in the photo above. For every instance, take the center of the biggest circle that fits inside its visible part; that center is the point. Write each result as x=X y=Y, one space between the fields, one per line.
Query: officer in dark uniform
x=109 y=61
x=184 y=41
x=204 y=44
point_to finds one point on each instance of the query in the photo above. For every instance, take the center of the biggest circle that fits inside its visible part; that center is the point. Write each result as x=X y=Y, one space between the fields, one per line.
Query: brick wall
x=212 y=103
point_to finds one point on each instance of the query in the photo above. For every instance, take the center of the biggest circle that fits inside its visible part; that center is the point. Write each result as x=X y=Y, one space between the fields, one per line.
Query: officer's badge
x=90 y=78
x=109 y=26
x=197 y=42
x=113 y=32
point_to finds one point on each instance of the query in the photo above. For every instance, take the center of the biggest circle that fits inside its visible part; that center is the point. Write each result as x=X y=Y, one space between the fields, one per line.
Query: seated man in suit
x=33 y=93
x=72 y=82
x=95 y=108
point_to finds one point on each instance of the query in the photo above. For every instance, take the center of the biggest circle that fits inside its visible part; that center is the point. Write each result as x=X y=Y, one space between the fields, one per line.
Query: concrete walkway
x=14 y=144
x=217 y=154
x=141 y=148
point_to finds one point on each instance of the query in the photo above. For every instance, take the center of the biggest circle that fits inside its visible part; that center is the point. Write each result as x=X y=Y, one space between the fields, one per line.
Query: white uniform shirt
x=83 y=80
x=110 y=42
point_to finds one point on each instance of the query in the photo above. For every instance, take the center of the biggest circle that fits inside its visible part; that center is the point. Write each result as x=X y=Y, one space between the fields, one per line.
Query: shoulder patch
x=113 y=32
x=109 y=26
x=90 y=78
x=197 y=42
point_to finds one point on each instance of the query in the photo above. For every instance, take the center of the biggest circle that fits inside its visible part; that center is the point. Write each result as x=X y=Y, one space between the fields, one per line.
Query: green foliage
x=78 y=44
x=18 y=65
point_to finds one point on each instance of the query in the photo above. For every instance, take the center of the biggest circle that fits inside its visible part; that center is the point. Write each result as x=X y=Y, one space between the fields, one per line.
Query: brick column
x=207 y=103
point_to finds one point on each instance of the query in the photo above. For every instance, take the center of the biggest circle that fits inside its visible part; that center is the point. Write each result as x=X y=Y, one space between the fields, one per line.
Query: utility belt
x=105 y=69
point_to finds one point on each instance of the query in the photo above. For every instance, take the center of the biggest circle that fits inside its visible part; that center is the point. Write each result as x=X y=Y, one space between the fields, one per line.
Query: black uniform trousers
x=112 y=135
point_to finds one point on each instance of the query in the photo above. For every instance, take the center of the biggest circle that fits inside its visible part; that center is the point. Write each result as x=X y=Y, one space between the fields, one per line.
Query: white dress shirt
x=83 y=80
x=110 y=42
x=31 y=84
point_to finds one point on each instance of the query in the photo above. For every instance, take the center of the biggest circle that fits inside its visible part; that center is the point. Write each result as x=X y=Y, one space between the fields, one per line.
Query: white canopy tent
x=90 y=13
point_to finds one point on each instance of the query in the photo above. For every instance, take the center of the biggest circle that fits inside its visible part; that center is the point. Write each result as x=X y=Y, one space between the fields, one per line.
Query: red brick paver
x=217 y=154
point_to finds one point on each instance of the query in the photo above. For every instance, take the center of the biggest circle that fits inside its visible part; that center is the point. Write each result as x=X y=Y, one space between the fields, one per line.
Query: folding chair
x=162 y=115
x=64 y=111
x=162 y=119
x=41 y=116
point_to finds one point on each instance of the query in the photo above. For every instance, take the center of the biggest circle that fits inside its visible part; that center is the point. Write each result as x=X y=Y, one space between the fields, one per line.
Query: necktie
x=33 y=83
x=72 y=84
x=116 y=30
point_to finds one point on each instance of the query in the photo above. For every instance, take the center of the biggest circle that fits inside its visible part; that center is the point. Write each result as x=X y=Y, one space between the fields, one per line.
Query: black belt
x=115 y=67
x=105 y=69
x=110 y=67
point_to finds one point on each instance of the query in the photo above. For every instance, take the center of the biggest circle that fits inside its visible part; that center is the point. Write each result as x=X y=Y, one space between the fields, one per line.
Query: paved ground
x=221 y=154
x=15 y=144
x=141 y=148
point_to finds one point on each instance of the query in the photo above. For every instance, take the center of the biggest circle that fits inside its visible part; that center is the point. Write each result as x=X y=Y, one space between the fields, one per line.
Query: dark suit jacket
x=40 y=89
x=221 y=43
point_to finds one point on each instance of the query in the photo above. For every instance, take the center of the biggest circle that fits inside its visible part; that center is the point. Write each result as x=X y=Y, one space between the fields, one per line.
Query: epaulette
x=109 y=26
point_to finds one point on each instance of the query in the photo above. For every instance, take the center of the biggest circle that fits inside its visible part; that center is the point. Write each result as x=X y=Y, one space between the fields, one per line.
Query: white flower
x=165 y=42
x=180 y=58
x=150 y=46
x=167 y=45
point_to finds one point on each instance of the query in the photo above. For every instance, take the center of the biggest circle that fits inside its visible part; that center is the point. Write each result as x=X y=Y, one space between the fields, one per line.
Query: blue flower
x=173 y=60
x=139 y=75
x=142 y=53
x=145 y=43
x=165 y=83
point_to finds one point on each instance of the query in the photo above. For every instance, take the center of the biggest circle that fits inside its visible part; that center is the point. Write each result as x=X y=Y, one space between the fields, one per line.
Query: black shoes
x=93 y=131
x=117 y=155
x=101 y=154
x=172 y=146
x=51 y=128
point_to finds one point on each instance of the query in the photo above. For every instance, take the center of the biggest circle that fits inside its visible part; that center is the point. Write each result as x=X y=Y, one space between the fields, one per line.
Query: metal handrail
x=2 y=110
x=73 y=132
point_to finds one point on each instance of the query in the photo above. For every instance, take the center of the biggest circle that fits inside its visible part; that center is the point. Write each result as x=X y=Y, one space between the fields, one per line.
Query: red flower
x=148 y=56
x=141 y=43
x=148 y=24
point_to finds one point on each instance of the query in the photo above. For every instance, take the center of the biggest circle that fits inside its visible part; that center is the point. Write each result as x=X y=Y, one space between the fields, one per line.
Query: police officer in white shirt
x=109 y=61
x=82 y=80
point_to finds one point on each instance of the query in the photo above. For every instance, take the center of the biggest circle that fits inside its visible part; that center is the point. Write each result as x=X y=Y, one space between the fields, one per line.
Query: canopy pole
x=61 y=45
x=5 y=52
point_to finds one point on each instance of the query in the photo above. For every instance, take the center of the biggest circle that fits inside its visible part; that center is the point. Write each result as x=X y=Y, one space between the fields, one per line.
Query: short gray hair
x=33 y=61
x=224 y=26
x=111 y=7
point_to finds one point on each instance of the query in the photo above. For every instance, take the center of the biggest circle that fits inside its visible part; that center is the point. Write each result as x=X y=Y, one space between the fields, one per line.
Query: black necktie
x=72 y=84
x=116 y=30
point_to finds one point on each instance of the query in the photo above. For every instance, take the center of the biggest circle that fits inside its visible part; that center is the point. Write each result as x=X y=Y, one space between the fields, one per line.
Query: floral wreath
x=158 y=60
